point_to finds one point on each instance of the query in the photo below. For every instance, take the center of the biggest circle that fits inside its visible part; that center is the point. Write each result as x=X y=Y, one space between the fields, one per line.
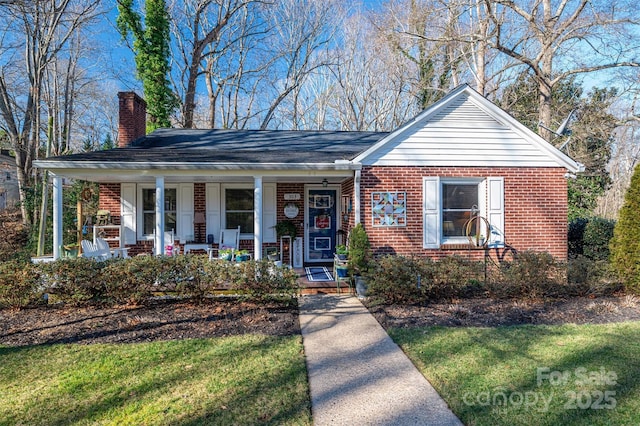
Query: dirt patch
x=484 y=312
x=161 y=320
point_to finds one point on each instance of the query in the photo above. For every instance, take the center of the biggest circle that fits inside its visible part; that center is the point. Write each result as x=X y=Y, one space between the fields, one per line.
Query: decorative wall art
x=322 y=243
x=321 y=201
x=322 y=221
x=389 y=208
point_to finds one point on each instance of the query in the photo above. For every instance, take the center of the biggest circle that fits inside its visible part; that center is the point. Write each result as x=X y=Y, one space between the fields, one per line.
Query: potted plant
x=342 y=271
x=225 y=253
x=273 y=254
x=286 y=228
x=342 y=252
x=242 y=256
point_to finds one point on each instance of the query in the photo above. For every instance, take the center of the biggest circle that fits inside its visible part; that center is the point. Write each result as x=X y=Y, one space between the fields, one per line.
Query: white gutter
x=166 y=165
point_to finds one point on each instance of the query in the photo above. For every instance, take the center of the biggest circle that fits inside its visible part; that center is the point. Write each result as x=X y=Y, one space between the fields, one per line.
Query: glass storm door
x=321 y=226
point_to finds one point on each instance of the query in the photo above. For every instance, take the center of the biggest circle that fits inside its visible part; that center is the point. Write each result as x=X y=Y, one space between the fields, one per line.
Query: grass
x=235 y=380
x=532 y=375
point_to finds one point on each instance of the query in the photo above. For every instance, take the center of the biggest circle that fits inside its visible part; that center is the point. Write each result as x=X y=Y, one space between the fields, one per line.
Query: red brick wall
x=348 y=190
x=132 y=121
x=110 y=200
x=535 y=208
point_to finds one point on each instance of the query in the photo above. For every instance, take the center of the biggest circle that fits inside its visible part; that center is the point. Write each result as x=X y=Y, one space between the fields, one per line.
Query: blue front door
x=321 y=225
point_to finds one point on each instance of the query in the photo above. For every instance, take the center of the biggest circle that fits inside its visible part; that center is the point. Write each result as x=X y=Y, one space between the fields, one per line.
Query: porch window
x=239 y=209
x=149 y=206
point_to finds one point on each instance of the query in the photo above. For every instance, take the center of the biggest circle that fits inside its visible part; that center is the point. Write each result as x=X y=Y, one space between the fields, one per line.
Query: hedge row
x=408 y=280
x=81 y=281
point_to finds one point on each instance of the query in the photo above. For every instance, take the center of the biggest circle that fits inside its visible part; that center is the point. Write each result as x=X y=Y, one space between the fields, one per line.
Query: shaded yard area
x=223 y=362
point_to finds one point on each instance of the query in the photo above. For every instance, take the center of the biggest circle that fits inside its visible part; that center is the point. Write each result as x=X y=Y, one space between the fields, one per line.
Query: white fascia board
x=101 y=165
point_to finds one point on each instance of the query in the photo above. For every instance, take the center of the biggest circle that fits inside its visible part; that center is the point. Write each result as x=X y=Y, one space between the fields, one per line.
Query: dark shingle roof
x=238 y=146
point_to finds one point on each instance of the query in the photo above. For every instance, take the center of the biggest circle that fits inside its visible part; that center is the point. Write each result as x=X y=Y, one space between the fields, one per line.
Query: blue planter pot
x=342 y=272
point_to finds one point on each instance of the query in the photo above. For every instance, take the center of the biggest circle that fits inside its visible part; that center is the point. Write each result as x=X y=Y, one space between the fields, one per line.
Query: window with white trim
x=238 y=209
x=449 y=204
x=149 y=210
x=459 y=204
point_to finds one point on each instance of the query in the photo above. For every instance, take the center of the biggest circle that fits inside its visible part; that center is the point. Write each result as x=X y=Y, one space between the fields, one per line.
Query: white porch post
x=257 y=218
x=356 y=195
x=159 y=232
x=57 y=216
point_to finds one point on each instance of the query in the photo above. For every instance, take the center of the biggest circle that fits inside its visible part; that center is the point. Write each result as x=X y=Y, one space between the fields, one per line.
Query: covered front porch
x=194 y=203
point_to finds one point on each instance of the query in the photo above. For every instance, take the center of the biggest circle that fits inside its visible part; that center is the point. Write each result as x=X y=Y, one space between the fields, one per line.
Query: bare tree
x=300 y=29
x=374 y=87
x=198 y=28
x=556 y=40
x=42 y=29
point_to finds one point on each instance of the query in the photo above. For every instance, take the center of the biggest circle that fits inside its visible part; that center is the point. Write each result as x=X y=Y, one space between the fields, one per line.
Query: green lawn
x=532 y=375
x=236 y=380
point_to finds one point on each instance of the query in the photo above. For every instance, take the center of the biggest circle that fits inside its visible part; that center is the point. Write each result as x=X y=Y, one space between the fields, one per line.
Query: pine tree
x=625 y=246
x=151 y=46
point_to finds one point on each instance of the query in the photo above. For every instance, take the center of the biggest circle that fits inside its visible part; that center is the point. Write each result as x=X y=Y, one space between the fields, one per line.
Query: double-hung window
x=238 y=203
x=149 y=210
x=449 y=204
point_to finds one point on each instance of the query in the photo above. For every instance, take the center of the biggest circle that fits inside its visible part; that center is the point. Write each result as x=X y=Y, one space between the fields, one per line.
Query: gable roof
x=465 y=129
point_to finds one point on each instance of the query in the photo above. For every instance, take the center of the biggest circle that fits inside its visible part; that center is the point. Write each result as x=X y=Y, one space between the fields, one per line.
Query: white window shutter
x=431 y=212
x=128 y=211
x=269 y=212
x=185 y=211
x=212 y=194
x=495 y=210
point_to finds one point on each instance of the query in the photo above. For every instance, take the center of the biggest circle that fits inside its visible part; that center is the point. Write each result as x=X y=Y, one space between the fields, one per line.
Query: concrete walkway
x=357 y=374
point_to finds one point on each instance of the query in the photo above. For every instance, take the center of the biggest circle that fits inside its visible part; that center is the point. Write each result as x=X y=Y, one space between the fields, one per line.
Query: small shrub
x=359 y=250
x=591 y=277
x=530 y=275
x=75 y=282
x=132 y=280
x=261 y=280
x=20 y=284
x=455 y=276
x=398 y=279
x=598 y=233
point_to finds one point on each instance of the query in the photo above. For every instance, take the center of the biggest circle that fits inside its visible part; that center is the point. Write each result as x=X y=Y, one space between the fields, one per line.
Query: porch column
x=356 y=195
x=159 y=231
x=257 y=217
x=57 y=216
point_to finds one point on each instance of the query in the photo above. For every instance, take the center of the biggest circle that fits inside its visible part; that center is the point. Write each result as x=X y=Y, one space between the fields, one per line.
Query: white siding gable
x=464 y=129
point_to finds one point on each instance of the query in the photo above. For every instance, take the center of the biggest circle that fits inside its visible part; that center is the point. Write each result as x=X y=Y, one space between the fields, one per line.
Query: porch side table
x=196 y=246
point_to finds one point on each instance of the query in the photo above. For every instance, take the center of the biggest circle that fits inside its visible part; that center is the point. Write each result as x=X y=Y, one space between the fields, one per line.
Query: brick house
x=461 y=176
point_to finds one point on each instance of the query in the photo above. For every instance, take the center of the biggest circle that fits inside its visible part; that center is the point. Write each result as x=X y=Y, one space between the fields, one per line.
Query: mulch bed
x=171 y=319
x=161 y=320
x=483 y=312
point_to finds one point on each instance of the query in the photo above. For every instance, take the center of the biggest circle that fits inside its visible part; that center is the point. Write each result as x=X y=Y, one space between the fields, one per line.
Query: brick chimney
x=132 y=123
